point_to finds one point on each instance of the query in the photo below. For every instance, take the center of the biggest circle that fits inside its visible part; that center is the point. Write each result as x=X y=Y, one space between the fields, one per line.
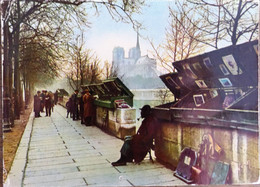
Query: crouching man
x=136 y=147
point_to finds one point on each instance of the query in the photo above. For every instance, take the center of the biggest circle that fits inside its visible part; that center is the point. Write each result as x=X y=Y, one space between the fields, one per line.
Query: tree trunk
x=17 y=82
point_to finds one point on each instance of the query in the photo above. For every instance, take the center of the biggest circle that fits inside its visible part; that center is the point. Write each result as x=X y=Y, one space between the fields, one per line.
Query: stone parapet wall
x=119 y=122
x=240 y=148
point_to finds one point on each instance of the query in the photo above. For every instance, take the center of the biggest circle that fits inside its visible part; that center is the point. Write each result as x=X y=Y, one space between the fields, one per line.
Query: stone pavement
x=57 y=151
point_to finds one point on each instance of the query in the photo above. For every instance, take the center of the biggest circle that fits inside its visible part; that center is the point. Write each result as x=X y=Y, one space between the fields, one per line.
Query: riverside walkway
x=57 y=151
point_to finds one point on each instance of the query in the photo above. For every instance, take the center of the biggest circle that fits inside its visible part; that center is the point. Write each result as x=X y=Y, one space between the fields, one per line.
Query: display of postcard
x=256 y=49
x=201 y=84
x=198 y=99
x=207 y=63
x=229 y=99
x=171 y=82
x=189 y=72
x=232 y=65
x=213 y=93
x=197 y=67
x=224 y=69
x=181 y=80
x=225 y=82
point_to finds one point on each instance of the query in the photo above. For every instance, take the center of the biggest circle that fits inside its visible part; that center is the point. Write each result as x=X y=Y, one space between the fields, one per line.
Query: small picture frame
x=224 y=69
x=231 y=64
x=225 y=82
x=181 y=80
x=229 y=99
x=213 y=93
x=201 y=84
x=172 y=82
x=197 y=67
x=207 y=62
x=198 y=99
x=189 y=72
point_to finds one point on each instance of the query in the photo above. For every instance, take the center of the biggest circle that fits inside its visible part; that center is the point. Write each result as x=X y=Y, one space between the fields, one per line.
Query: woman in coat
x=89 y=108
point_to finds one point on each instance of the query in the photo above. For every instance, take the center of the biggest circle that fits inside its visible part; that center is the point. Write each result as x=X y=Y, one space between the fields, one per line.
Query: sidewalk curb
x=15 y=176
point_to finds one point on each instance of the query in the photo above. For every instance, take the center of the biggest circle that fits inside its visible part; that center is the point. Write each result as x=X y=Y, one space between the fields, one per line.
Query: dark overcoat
x=89 y=108
x=143 y=140
x=37 y=104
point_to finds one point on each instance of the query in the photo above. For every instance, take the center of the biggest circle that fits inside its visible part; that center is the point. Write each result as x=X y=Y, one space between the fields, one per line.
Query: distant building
x=136 y=71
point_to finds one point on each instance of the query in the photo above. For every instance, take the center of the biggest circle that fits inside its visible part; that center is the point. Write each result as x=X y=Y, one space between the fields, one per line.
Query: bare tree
x=110 y=71
x=227 y=21
x=181 y=37
x=83 y=65
x=165 y=95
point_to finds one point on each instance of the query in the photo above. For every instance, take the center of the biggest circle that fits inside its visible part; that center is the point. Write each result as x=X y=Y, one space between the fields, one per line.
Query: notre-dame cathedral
x=136 y=67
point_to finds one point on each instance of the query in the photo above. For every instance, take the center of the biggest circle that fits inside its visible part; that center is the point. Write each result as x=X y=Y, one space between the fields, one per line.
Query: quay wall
x=240 y=148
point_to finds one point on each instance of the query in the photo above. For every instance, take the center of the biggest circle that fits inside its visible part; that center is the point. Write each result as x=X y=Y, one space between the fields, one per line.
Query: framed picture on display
x=198 y=99
x=224 y=69
x=207 y=63
x=172 y=82
x=213 y=93
x=201 y=84
x=189 y=72
x=229 y=99
x=181 y=80
x=197 y=67
x=231 y=64
x=225 y=82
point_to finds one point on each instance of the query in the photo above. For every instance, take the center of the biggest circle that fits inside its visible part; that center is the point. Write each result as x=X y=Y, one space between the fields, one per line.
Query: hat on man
x=145 y=111
x=145 y=108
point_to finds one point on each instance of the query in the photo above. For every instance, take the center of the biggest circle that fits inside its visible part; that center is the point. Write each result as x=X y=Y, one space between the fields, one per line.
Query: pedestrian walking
x=56 y=97
x=37 y=104
x=81 y=108
x=69 y=107
x=42 y=95
x=48 y=104
x=75 y=103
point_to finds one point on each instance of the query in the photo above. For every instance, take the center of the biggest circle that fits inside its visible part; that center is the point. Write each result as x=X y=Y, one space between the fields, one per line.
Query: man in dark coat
x=37 y=104
x=75 y=108
x=48 y=104
x=56 y=97
x=42 y=95
x=81 y=108
x=136 y=147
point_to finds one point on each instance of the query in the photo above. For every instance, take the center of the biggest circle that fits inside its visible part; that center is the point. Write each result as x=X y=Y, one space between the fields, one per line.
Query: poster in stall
x=189 y=72
x=224 y=69
x=201 y=83
x=232 y=65
x=198 y=99
x=225 y=82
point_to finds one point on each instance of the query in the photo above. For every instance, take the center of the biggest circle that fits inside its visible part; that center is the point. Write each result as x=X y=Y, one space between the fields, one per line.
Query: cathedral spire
x=138 y=49
x=137 y=42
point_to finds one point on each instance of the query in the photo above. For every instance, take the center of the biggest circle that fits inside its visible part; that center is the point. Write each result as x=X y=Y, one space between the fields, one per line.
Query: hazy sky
x=105 y=34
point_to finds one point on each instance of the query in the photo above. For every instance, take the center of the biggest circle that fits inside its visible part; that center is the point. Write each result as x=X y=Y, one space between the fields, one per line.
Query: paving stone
x=49 y=161
x=62 y=183
x=90 y=160
x=53 y=166
x=51 y=178
x=52 y=171
x=96 y=166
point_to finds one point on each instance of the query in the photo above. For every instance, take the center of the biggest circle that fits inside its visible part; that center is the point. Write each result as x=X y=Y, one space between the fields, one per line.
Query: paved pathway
x=56 y=151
